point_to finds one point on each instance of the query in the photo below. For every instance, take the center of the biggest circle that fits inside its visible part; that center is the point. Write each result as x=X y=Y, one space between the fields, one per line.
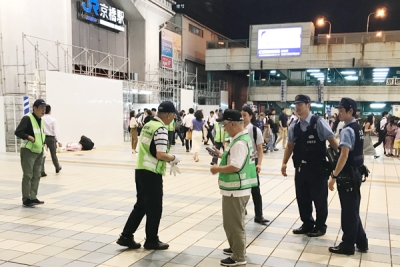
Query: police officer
x=307 y=141
x=348 y=175
x=151 y=166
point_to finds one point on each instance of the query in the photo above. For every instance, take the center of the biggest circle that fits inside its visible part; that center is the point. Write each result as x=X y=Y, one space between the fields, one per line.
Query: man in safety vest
x=219 y=139
x=31 y=131
x=237 y=175
x=150 y=168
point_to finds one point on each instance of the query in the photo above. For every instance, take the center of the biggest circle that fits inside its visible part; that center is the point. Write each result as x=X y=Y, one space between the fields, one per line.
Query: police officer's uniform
x=311 y=176
x=348 y=183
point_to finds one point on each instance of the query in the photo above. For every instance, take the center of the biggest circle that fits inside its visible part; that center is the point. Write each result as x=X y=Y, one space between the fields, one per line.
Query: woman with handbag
x=133 y=130
x=368 y=129
x=198 y=132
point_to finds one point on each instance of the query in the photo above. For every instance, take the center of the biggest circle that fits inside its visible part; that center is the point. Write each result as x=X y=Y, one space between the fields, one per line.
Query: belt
x=49 y=135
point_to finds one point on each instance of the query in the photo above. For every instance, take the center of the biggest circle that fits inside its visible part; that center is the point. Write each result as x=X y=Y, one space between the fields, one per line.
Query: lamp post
x=321 y=22
x=380 y=13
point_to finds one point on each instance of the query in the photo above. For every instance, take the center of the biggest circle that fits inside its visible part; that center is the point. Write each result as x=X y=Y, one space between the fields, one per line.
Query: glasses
x=226 y=123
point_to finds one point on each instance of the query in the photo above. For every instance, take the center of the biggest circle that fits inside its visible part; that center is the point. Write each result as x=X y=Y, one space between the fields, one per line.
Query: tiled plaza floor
x=88 y=202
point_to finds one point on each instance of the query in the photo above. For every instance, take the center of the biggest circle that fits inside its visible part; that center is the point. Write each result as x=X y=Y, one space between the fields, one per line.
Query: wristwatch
x=334 y=177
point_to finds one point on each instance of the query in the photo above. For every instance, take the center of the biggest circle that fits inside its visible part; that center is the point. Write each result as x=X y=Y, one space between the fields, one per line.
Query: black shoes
x=230 y=262
x=43 y=175
x=156 y=245
x=316 y=233
x=37 y=202
x=227 y=251
x=340 y=250
x=28 y=203
x=58 y=170
x=128 y=242
x=362 y=249
x=261 y=220
x=302 y=230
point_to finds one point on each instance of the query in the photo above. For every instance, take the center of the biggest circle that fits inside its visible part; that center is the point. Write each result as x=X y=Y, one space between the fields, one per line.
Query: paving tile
x=96 y=257
x=186 y=259
x=279 y=262
x=53 y=262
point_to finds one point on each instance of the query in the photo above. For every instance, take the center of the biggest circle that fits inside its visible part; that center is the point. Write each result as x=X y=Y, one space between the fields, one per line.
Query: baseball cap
x=346 y=102
x=167 y=107
x=302 y=99
x=39 y=102
x=231 y=115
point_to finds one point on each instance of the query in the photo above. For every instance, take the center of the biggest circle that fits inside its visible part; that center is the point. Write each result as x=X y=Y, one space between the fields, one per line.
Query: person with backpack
x=381 y=132
x=256 y=137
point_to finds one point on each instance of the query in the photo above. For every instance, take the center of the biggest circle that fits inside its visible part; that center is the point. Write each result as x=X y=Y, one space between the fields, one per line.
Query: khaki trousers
x=282 y=136
x=31 y=164
x=134 y=138
x=233 y=214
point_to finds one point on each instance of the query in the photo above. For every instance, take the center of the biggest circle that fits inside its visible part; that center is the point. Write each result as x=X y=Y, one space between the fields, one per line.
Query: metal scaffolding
x=209 y=93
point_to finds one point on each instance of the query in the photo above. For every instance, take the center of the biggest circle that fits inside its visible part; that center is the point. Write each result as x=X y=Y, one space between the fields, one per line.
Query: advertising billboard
x=171 y=48
x=279 y=42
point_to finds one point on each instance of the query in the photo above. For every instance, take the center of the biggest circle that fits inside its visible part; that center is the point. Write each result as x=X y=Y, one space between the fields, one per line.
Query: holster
x=347 y=182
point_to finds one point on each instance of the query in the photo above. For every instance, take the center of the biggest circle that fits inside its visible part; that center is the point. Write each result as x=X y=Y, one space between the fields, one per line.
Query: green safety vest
x=39 y=136
x=170 y=127
x=244 y=178
x=146 y=161
x=219 y=133
x=227 y=137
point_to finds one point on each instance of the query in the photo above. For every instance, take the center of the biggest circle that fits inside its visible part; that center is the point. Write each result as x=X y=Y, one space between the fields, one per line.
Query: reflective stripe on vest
x=39 y=135
x=244 y=178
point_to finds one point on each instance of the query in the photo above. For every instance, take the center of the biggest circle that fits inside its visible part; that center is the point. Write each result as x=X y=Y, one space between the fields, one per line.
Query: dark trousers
x=209 y=135
x=381 y=139
x=52 y=145
x=171 y=137
x=353 y=231
x=257 y=199
x=312 y=186
x=218 y=145
x=188 y=143
x=180 y=135
x=149 y=195
x=276 y=138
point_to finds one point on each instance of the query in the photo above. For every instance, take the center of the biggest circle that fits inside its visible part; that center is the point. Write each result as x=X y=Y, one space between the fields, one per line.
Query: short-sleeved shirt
x=197 y=125
x=347 y=136
x=259 y=138
x=323 y=129
x=283 y=119
x=161 y=137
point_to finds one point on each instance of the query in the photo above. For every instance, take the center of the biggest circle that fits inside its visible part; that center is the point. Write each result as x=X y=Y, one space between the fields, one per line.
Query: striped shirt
x=161 y=137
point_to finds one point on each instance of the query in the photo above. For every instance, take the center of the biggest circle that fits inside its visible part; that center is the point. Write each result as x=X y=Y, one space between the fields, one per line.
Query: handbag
x=265 y=136
x=189 y=135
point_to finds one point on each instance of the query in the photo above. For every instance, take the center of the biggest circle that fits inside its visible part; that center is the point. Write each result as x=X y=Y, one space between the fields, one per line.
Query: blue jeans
x=270 y=145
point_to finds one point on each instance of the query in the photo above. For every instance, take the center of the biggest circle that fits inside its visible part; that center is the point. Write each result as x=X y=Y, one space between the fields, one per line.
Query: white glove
x=176 y=159
x=174 y=169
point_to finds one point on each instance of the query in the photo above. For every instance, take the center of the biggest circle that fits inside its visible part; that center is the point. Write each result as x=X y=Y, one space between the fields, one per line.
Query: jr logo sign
x=90 y=5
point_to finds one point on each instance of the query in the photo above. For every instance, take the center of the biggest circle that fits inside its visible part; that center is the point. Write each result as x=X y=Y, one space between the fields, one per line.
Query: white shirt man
x=383 y=122
x=187 y=121
x=51 y=127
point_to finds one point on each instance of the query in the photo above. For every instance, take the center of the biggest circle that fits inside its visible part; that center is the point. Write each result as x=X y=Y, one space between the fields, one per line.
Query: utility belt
x=350 y=179
x=322 y=165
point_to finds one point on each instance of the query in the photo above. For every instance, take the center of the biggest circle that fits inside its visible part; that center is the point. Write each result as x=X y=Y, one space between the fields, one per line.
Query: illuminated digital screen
x=279 y=42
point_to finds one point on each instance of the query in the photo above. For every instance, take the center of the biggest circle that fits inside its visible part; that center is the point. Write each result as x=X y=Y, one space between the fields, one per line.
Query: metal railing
x=164 y=3
x=357 y=38
x=337 y=82
x=224 y=44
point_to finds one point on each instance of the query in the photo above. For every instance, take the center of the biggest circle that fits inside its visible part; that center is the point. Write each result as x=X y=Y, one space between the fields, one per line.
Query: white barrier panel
x=86 y=105
x=187 y=100
x=207 y=109
x=224 y=100
x=2 y=128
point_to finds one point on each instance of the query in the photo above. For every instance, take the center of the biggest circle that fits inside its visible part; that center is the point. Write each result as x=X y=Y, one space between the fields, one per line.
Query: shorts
x=396 y=143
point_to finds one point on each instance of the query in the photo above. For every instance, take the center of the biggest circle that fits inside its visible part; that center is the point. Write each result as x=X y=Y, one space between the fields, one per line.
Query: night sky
x=233 y=17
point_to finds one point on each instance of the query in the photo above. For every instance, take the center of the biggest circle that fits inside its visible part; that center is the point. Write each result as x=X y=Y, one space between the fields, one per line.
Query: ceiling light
x=348 y=72
x=377 y=105
x=317 y=105
x=313 y=70
x=272 y=71
x=351 y=78
x=381 y=70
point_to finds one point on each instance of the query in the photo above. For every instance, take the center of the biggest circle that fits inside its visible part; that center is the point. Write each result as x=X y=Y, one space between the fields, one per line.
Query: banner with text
x=283 y=90
x=170 y=48
x=320 y=91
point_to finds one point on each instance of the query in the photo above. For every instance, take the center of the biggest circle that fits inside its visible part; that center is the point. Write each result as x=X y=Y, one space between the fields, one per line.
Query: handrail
x=223 y=44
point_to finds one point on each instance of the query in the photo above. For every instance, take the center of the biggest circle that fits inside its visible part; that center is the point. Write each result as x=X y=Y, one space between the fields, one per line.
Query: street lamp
x=379 y=34
x=380 y=13
x=321 y=22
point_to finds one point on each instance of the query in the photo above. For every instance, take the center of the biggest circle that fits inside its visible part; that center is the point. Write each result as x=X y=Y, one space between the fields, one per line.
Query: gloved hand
x=176 y=159
x=174 y=169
